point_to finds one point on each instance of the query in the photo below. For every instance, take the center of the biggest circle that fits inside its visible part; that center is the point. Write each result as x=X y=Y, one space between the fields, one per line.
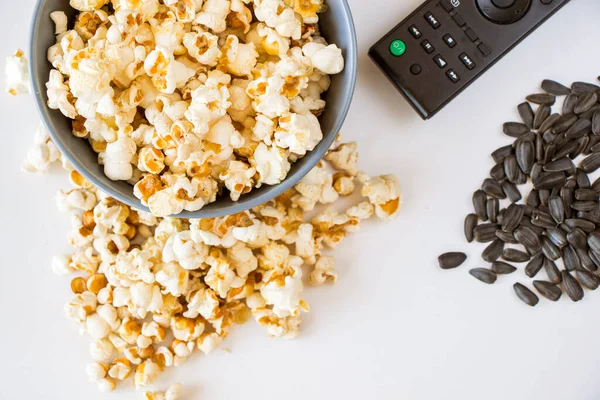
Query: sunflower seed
x=557 y=210
x=479 y=202
x=586 y=260
x=500 y=154
x=596 y=186
x=451 y=260
x=582 y=224
x=596 y=123
x=493 y=251
x=569 y=104
x=560 y=165
x=514 y=255
x=555 y=88
x=564 y=123
x=593 y=241
x=595 y=258
x=528 y=137
x=526 y=113
x=583 y=205
x=591 y=163
x=470 y=224
x=583 y=180
x=525 y=295
x=571 y=259
x=542 y=219
x=539 y=147
x=493 y=206
x=549 y=290
x=585 y=102
x=511 y=168
x=565 y=150
x=533 y=199
x=593 y=145
x=512 y=217
x=536 y=171
x=567 y=195
x=540 y=115
x=557 y=236
x=500 y=217
x=581 y=146
x=584 y=87
x=550 y=180
x=549 y=249
x=586 y=195
x=525 y=154
x=515 y=129
x=577 y=238
x=589 y=114
x=549 y=152
x=512 y=192
x=497 y=172
x=534 y=266
x=485 y=233
x=588 y=216
x=549 y=122
x=571 y=286
x=521 y=178
x=502 y=268
x=528 y=238
x=552 y=271
x=506 y=237
x=493 y=189
x=580 y=128
x=565 y=228
x=588 y=279
x=484 y=275
x=542 y=98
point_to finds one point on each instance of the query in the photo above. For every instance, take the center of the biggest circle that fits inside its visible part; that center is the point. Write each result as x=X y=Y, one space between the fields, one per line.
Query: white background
x=395 y=326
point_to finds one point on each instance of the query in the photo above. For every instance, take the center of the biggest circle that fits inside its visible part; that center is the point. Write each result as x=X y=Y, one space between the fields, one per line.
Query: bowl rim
x=351 y=64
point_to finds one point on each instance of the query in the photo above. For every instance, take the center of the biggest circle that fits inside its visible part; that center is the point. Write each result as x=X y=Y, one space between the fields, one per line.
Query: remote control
x=445 y=45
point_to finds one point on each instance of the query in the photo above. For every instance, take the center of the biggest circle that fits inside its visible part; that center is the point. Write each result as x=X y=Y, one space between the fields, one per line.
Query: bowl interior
x=336 y=26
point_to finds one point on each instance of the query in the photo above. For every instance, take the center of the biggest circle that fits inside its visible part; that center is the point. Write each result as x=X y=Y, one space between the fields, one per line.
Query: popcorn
x=172 y=393
x=203 y=46
x=214 y=14
x=17 y=75
x=238 y=58
x=324 y=271
x=271 y=164
x=344 y=158
x=309 y=10
x=278 y=16
x=327 y=59
x=60 y=21
x=383 y=193
x=43 y=153
x=87 y=5
x=60 y=265
x=298 y=133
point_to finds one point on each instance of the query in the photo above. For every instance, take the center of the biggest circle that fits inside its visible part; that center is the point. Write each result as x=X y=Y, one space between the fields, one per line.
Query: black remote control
x=445 y=45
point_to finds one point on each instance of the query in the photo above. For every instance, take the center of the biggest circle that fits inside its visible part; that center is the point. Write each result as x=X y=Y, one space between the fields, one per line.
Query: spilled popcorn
x=188 y=100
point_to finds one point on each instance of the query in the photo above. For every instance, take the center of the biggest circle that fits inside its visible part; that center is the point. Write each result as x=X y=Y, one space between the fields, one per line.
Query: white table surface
x=395 y=326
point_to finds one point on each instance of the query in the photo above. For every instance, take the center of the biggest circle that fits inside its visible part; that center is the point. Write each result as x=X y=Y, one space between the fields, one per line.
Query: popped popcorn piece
x=271 y=164
x=172 y=393
x=298 y=133
x=214 y=14
x=327 y=59
x=61 y=265
x=43 y=153
x=344 y=158
x=17 y=75
x=383 y=192
x=324 y=271
x=60 y=21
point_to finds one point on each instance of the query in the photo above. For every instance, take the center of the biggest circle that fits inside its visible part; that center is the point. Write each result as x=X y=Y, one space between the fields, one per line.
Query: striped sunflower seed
x=525 y=295
x=549 y=122
x=512 y=192
x=535 y=265
x=577 y=238
x=580 y=128
x=585 y=102
x=493 y=251
x=484 y=275
x=566 y=149
x=589 y=114
x=500 y=154
x=571 y=259
x=512 y=217
x=588 y=216
x=581 y=146
x=550 y=180
x=555 y=88
x=557 y=209
x=596 y=123
x=557 y=236
x=514 y=255
x=470 y=224
x=547 y=289
x=511 y=168
x=528 y=238
x=536 y=171
x=540 y=115
x=583 y=180
x=584 y=87
x=593 y=241
x=526 y=114
x=569 y=104
x=550 y=250
x=586 y=195
x=564 y=164
x=493 y=207
x=502 y=268
x=542 y=219
x=582 y=224
x=497 y=172
x=525 y=154
x=493 y=189
x=595 y=257
x=592 y=145
x=515 y=129
x=583 y=205
x=485 y=233
x=451 y=260
x=542 y=98
x=552 y=271
x=479 y=204
x=572 y=288
x=567 y=195
x=587 y=279
x=586 y=260
x=564 y=123
x=506 y=237
x=539 y=147
x=591 y=163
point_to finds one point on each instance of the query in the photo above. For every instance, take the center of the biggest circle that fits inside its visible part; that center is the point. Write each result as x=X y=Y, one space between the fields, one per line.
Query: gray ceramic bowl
x=336 y=26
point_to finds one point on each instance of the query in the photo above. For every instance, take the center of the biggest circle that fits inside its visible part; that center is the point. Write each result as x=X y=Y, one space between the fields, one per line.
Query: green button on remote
x=398 y=48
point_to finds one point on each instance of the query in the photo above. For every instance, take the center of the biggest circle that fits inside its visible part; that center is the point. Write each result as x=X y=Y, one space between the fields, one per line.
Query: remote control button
x=503 y=11
x=460 y=21
x=467 y=61
x=427 y=46
x=471 y=35
x=452 y=75
x=432 y=20
x=449 y=40
x=440 y=61
x=414 y=31
x=503 y=3
x=415 y=69
x=446 y=5
x=397 y=48
x=484 y=49
x=546 y=2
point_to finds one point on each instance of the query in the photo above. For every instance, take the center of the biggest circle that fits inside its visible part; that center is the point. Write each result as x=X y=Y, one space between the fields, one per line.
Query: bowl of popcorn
x=194 y=108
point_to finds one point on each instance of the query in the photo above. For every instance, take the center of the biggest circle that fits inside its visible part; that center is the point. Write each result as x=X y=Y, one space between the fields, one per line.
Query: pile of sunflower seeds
x=557 y=227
